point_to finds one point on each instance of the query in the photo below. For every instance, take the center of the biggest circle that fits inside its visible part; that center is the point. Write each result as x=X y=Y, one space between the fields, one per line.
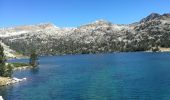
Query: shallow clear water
x=117 y=76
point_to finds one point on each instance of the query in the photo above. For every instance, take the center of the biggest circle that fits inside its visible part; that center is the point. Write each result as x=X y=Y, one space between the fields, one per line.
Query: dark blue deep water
x=117 y=76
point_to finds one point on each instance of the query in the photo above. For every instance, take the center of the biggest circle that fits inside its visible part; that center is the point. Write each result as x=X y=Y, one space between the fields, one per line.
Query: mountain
x=151 y=17
x=150 y=33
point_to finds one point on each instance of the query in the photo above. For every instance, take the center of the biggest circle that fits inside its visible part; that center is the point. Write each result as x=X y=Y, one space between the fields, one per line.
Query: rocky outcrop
x=9 y=53
x=8 y=81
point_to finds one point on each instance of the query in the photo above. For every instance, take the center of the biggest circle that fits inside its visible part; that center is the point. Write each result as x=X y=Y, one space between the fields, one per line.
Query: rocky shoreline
x=4 y=81
x=22 y=68
x=8 y=81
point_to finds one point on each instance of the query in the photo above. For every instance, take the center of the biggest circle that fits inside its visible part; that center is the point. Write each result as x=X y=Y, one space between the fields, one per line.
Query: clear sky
x=72 y=13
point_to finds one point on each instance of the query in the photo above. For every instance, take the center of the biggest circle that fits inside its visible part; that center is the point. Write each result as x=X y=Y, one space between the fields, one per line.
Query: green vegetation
x=16 y=64
x=6 y=70
x=34 y=59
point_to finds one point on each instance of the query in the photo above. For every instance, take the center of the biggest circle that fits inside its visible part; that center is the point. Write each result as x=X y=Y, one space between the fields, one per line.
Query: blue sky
x=72 y=13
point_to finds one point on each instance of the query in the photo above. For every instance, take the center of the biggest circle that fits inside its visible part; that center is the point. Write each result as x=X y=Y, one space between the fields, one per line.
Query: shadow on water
x=34 y=70
x=3 y=91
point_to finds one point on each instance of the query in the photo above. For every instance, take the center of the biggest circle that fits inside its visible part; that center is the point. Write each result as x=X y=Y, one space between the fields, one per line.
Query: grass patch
x=16 y=64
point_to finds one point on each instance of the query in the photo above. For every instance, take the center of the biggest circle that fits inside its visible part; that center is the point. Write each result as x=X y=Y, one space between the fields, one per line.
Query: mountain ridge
x=99 y=36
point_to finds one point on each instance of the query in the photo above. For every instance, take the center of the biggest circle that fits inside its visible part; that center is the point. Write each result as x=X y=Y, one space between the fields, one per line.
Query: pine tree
x=34 y=59
x=2 y=61
x=6 y=70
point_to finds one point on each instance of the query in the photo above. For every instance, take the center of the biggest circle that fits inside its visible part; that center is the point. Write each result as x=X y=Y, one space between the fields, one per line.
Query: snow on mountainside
x=99 y=36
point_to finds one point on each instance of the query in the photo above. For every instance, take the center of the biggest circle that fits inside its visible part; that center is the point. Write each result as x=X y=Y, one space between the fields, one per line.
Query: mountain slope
x=99 y=36
x=9 y=53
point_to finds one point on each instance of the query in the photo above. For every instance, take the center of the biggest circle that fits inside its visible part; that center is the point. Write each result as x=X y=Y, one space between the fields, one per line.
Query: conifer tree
x=2 y=61
x=34 y=59
x=6 y=70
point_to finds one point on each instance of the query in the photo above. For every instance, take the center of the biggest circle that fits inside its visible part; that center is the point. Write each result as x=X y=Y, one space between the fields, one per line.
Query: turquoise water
x=117 y=76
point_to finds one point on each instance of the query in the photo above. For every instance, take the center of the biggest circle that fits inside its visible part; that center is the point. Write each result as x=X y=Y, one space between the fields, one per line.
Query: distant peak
x=152 y=16
x=101 y=21
x=46 y=25
x=166 y=14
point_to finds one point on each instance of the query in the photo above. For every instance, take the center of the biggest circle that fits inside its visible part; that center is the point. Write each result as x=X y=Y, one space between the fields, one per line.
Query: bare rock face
x=95 y=37
x=9 y=53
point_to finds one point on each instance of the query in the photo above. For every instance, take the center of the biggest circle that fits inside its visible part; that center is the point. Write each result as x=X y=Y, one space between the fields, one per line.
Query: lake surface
x=117 y=76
